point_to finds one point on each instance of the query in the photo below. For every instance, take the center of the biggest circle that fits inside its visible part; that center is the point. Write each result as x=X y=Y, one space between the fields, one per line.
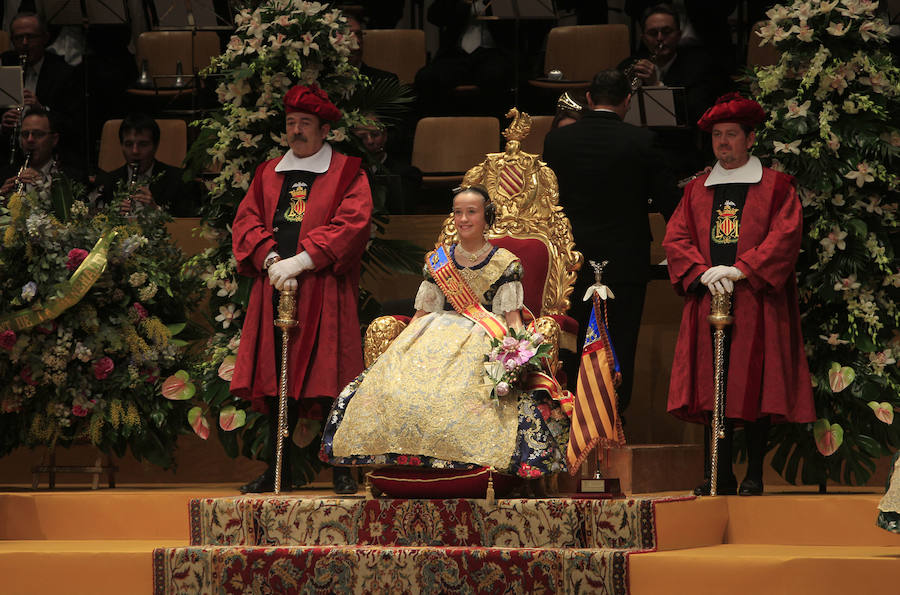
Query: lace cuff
x=429 y=297
x=509 y=297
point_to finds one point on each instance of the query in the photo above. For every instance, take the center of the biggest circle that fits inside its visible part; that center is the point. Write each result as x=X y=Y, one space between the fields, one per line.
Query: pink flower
x=502 y=389
x=7 y=340
x=76 y=256
x=103 y=367
x=141 y=311
x=79 y=411
x=25 y=375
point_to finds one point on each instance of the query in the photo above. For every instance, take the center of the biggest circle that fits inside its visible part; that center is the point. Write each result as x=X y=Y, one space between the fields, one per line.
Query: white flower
x=838 y=200
x=795 y=110
x=137 y=279
x=834 y=239
x=837 y=29
x=833 y=339
x=872 y=206
x=791 y=147
x=29 y=290
x=803 y=32
x=879 y=360
x=861 y=174
x=227 y=314
x=227 y=288
x=146 y=293
x=847 y=284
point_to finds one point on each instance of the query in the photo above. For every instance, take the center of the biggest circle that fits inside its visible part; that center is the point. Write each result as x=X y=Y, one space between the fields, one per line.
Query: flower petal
x=840 y=377
x=231 y=418
x=178 y=387
x=829 y=437
x=198 y=422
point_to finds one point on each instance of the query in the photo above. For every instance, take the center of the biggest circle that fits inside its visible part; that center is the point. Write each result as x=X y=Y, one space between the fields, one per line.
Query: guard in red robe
x=738 y=230
x=303 y=224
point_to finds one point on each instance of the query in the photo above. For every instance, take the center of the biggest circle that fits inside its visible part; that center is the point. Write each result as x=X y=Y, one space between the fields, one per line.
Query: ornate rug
x=295 y=545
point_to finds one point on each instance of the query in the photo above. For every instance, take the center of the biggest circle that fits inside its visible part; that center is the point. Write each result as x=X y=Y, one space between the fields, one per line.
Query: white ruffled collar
x=317 y=163
x=749 y=173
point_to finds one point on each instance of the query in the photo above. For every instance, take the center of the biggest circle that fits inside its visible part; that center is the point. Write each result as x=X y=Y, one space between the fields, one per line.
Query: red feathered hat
x=311 y=100
x=731 y=107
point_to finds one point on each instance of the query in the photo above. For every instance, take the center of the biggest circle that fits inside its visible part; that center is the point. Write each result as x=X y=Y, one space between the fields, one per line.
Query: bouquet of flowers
x=512 y=358
x=89 y=310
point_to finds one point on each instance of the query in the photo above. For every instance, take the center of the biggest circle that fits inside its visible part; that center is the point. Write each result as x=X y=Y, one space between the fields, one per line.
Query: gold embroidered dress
x=426 y=402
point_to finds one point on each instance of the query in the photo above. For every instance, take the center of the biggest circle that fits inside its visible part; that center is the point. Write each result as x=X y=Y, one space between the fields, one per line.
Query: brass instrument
x=565 y=102
x=719 y=318
x=287 y=319
x=14 y=139
x=20 y=184
x=631 y=73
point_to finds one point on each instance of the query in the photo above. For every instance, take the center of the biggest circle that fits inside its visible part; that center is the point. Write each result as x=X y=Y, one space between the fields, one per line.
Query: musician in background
x=155 y=184
x=50 y=84
x=662 y=61
x=38 y=140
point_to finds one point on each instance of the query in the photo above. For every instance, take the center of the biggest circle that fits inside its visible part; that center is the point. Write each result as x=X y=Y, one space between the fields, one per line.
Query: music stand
x=12 y=91
x=657 y=107
x=85 y=13
x=518 y=10
x=175 y=15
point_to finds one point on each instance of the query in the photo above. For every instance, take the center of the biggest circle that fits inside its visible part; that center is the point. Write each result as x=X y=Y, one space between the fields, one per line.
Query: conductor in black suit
x=155 y=183
x=50 y=84
x=608 y=171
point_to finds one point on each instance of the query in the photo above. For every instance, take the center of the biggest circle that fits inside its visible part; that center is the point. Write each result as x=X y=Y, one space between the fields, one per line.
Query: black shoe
x=266 y=483
x=751 y=487
x=344 y=482
x=727 y=487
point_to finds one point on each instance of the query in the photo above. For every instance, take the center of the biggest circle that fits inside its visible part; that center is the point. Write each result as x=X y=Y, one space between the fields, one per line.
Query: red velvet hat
x=311 y=100
x=731 y=107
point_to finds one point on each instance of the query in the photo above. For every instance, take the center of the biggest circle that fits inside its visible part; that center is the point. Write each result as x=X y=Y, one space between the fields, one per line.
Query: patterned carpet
x=304 y=545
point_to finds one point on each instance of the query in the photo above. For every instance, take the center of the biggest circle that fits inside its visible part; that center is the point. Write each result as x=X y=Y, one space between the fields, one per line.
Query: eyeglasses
x=35 y=134
x=25 y=37
x=665 y=31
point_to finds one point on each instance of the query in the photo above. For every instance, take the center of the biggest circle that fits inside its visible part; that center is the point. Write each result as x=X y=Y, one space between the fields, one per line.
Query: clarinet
x=20 y=184
x=132 y=183
x=14 y=139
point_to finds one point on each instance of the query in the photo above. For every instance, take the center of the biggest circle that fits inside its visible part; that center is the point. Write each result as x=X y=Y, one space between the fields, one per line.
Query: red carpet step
x=293 y=545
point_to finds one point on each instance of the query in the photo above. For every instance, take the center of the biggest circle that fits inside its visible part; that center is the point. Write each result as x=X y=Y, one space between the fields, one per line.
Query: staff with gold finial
x=720 y=318
x=286 y=320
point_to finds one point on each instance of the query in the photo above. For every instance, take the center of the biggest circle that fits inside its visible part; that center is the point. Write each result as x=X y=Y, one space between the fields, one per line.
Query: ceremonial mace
x=719 y=318
x=286 y=320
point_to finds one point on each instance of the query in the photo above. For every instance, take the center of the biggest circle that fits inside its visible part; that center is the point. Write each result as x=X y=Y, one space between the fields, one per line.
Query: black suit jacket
x=169 y=191
x=60 y=89
x=607 y=171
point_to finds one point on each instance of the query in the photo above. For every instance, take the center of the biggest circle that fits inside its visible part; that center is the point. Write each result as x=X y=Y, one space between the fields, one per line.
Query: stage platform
x=81 y=541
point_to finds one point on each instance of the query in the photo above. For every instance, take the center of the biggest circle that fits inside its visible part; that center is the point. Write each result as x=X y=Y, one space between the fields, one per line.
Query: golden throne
x=530 y=224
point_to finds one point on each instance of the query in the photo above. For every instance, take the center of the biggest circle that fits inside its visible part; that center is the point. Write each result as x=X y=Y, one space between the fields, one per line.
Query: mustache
x=299 y=136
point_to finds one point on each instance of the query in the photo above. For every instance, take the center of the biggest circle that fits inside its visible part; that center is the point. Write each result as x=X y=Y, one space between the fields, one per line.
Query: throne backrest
x=530 y=223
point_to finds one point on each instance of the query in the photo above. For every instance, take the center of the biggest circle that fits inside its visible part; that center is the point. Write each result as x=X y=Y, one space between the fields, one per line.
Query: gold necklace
x=474 y=257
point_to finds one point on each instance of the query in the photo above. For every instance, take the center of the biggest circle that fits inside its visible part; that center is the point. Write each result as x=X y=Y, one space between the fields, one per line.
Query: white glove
x=283 y=273
x=723 y=285
x=715 y=273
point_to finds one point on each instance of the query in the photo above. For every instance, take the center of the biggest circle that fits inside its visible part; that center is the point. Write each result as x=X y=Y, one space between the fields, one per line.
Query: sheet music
x=174 y=14
x=659 y=107
x=12 y=91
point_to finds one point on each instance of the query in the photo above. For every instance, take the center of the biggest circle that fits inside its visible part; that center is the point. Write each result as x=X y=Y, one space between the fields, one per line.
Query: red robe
x=325 y=349
x=768 y=373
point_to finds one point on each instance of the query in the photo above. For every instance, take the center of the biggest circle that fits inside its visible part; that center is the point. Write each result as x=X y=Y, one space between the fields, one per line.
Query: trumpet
x=631 y=73
x=20 y=183
x=14 y=139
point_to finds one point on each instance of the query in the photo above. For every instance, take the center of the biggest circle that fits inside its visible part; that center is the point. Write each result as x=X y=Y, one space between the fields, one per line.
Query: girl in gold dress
x=426 y=402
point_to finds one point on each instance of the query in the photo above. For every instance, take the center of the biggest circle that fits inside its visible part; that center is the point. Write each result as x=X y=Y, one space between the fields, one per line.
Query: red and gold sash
x=460 y=295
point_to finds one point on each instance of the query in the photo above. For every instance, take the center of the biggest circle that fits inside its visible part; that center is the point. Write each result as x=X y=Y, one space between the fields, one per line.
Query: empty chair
x=445 y=148
x=401 y=51
x=163 y=50
x=580 y=52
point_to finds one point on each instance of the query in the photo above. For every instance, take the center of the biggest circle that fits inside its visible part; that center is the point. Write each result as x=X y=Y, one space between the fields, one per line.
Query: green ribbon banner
x=68 y=293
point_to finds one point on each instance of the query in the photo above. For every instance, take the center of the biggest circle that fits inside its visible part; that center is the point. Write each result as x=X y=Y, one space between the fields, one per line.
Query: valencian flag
x=595 y=419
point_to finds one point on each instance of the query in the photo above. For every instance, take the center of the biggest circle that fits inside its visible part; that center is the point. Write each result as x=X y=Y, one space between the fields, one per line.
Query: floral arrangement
x=511 y=359
x=276 y=44
x=833 y=102
x=89 y=311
